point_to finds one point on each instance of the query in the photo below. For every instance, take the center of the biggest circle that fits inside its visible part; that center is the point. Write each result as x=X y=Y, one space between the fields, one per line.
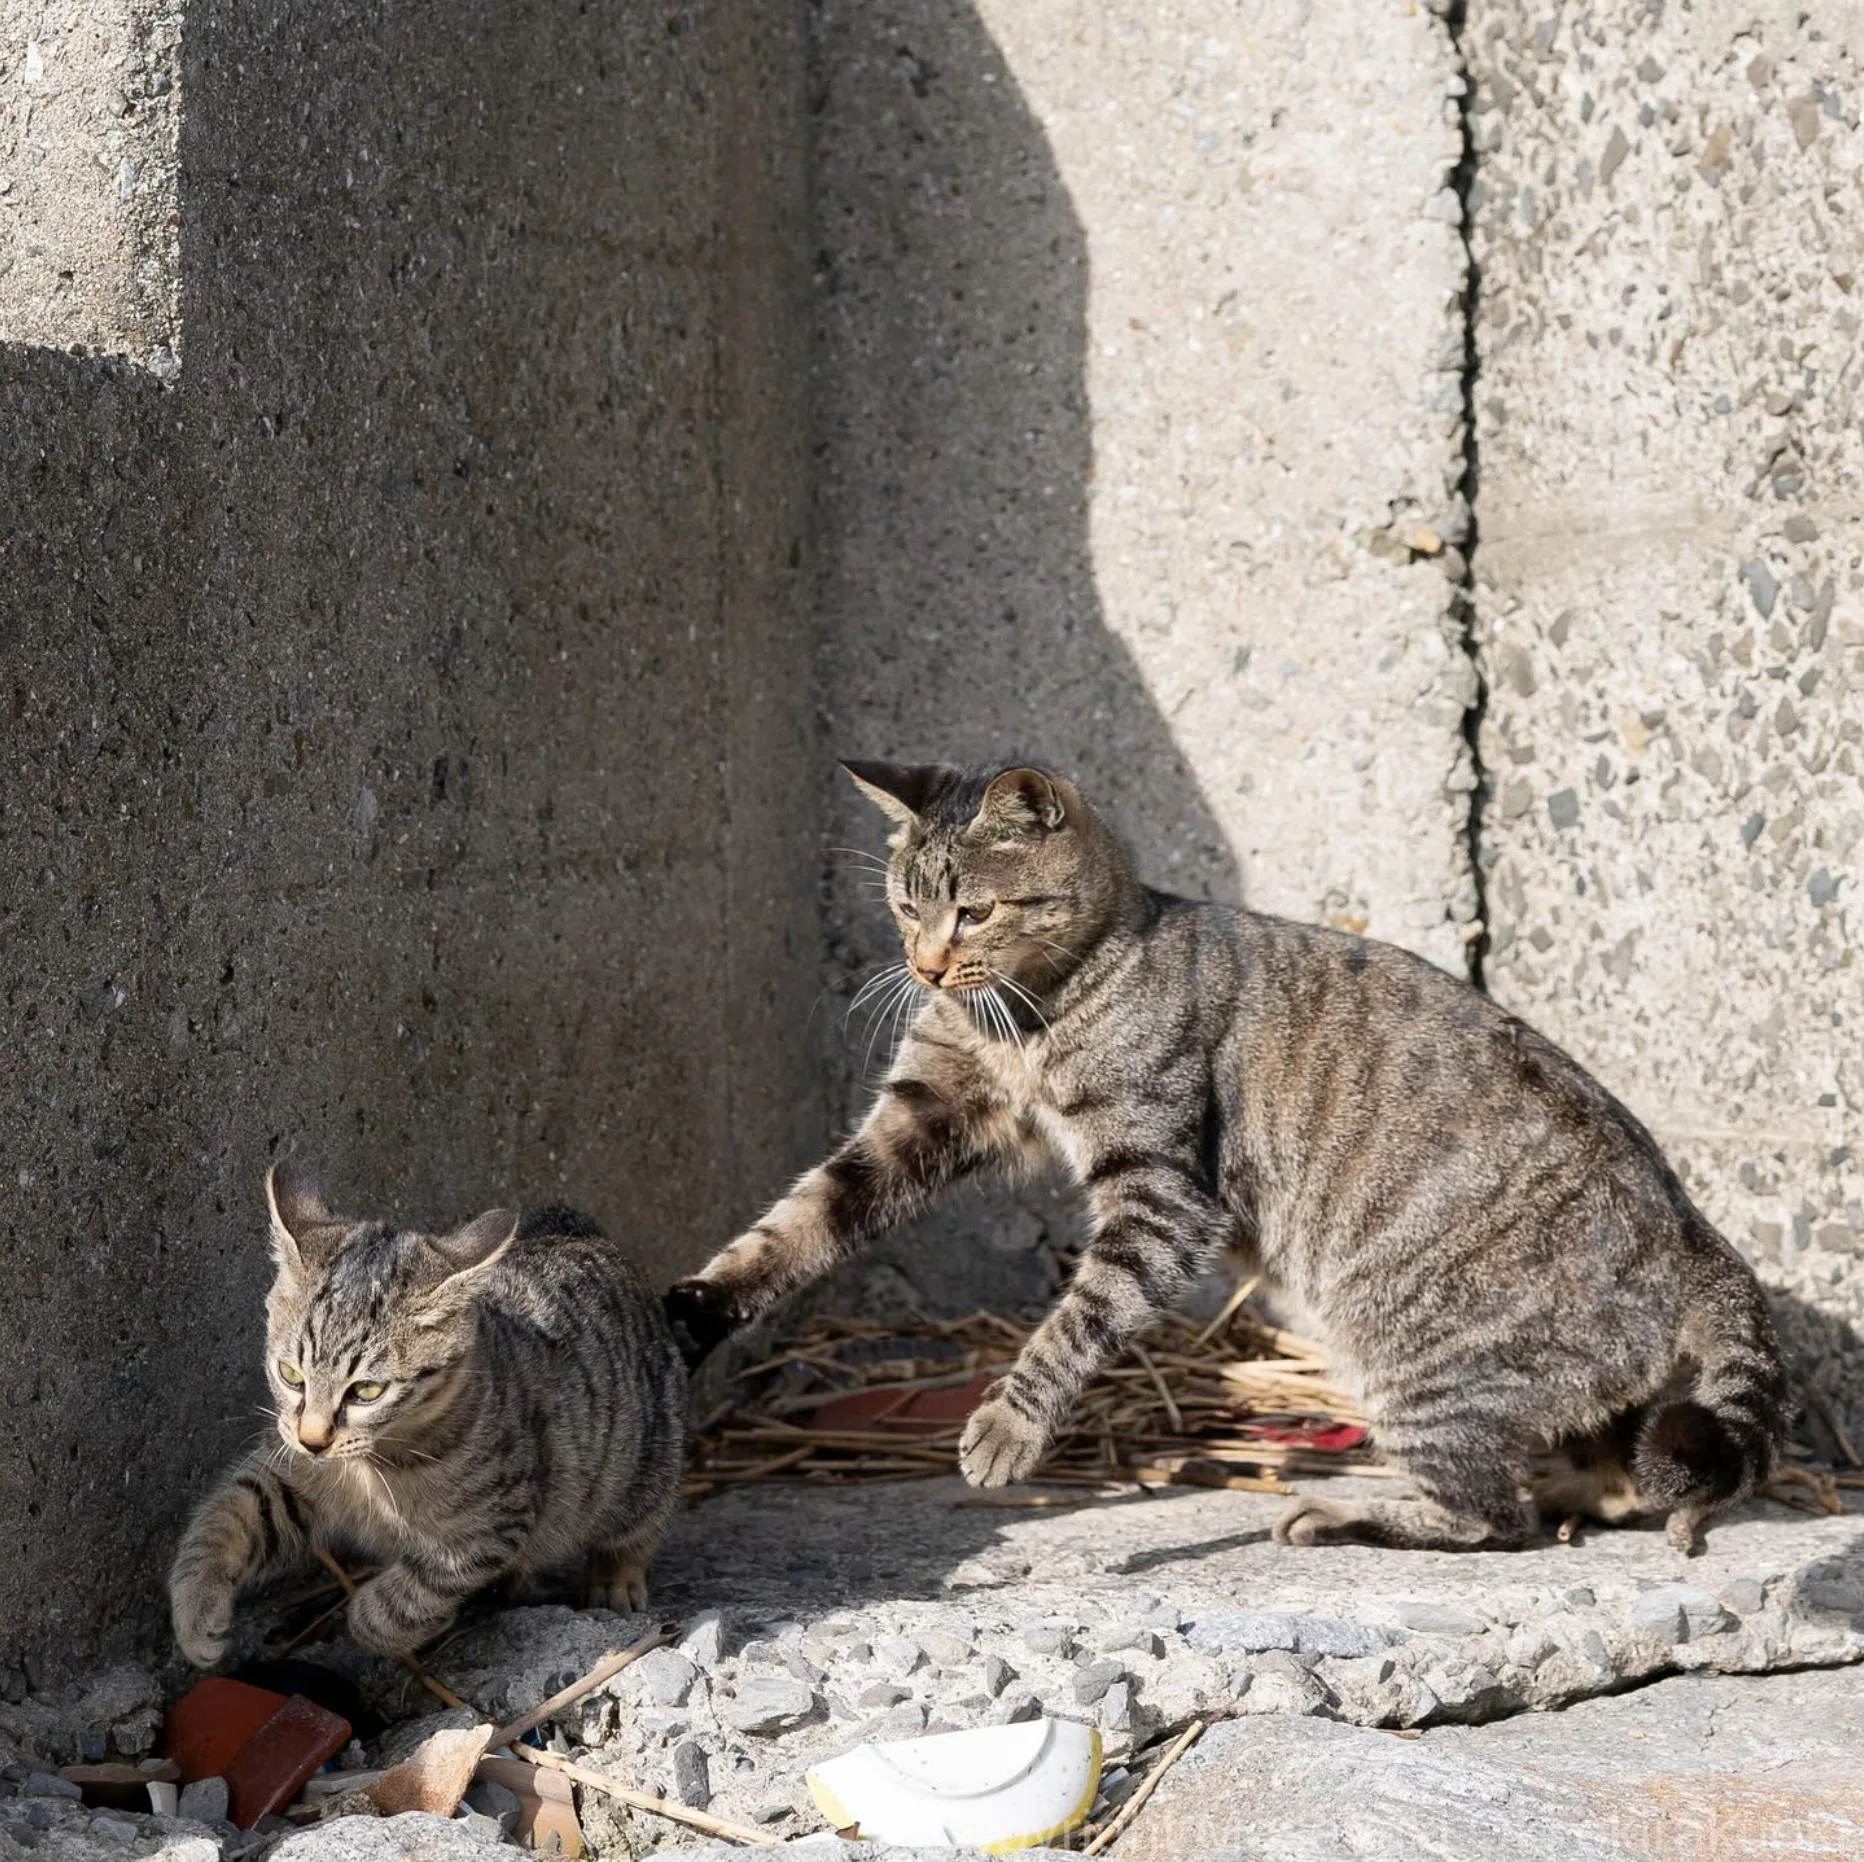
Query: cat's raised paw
x=202 y=1617
x=1000 y=1447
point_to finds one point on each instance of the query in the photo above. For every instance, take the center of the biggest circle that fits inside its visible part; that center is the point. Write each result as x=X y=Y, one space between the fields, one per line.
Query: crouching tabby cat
x=454 y=1409
x=1491 y=1245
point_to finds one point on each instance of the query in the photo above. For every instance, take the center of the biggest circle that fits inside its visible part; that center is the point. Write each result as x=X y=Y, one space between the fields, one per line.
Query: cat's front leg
x=253 y=1523
x=1155 y=1229
x=934 y=1121
x=399 y=1609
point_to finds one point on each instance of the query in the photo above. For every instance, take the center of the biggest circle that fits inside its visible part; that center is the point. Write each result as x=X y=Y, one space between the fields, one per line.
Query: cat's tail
x=1714 y=1443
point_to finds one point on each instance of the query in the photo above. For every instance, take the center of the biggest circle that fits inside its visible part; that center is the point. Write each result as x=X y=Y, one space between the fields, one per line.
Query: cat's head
x=999 y=878
x=369 y=1328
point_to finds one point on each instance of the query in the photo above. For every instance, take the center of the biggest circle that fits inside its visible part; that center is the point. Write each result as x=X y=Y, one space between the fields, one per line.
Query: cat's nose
x=315 y=1433
x=930 y=975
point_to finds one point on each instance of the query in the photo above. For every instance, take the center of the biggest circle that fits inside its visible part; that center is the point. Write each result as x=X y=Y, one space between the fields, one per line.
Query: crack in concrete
x=1463 y=182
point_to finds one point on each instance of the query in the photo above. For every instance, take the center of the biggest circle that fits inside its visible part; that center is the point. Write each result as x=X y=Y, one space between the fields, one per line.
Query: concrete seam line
x=1463 y=181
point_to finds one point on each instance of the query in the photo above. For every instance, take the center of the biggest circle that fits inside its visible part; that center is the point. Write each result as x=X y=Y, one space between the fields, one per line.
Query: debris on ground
x=1237 y=1402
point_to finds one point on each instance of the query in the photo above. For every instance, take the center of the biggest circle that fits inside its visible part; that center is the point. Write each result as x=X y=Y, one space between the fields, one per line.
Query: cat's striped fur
x=531 y=1412
x=1492 y=1246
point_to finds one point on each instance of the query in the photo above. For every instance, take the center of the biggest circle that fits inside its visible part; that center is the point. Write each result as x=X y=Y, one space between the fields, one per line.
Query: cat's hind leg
x=1468 y=1501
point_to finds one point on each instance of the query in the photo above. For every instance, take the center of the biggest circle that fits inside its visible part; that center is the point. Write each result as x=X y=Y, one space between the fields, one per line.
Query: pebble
x=1092 y=1682
x=1439 y=1619
x=1142 y=1638
x=998 y=1674
x=946 y=1649
x=1679 y=1613
x=663 y=1677
x=48 y=1784
x=898 y=1656
x=883 y=1694
x=114 y=1829
x=1050 y=1638
x=692 y=1783
x=1116 y=1708
x=703 y=1644
x=767 y=1705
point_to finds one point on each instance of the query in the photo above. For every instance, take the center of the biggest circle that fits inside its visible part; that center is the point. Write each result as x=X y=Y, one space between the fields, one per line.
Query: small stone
x=48 y=1784
x=1822 y=888
x=113 y=1829
x=946 y=1649
x=1744 y=1596
x=1091 y=1683
x=773 y=1810
x=883 y=1694
x=1142 y=1638
x=204 y=1801
x=692 y=1784
x=897 y=1656
x=998 y=1674
x=1116 y=1708
x=497 y=1802
x=1050 y=1638
x=1762 y=588
x=703 y=1644
x=662 y=1677
x=1680 y=1613
x=768 y=1704
x=1616 y=149
x=1563 y=808
x=1439 y=1619
x=1580 y=1597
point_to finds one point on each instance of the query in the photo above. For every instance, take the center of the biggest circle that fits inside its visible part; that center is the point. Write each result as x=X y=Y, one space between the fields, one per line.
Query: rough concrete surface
x=90 y=212
x=813 y=1620
x=1690 y=1770
x=408 y=741
x=1137 y=366
x=1670 y=587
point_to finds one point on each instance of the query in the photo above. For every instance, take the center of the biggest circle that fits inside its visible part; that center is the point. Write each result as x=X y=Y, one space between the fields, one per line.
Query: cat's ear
x=301 y=1220
x=1020 y=802
x=467 y=1253
x=902 y=790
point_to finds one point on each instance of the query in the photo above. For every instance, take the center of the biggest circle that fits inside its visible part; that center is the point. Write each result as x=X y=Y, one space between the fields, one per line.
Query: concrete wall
x=1670 y=581
x=409 y=742
x=1138 y=403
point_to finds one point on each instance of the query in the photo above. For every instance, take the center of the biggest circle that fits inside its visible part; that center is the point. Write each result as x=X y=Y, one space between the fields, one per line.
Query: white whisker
x=1035 y=1008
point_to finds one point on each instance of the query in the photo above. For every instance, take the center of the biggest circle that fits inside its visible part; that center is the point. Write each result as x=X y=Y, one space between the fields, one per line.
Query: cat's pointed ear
x=301 y=1219
x=472 y=1248
x=1020 y=802
x=902 y=790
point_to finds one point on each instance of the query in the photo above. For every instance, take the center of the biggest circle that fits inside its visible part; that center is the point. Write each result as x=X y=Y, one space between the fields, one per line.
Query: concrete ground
x=1361 y=1702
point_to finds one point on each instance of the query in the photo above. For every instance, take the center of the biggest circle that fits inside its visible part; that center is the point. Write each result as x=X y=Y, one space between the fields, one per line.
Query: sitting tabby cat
x=1491 y=1245
x=456 y=1409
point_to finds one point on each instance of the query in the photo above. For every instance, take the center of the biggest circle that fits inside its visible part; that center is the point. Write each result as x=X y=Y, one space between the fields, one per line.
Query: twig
x=1231 y=1307
x=1824 y=1489
x=1829 y=1417
x=1165 y=1396
x=439 y=1689
x=1033 y=1499
x=639 y=1800
x=1134 y=1804
x=605 y=1669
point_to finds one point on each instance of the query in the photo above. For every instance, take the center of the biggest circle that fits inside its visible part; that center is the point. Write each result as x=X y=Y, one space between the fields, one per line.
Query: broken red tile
x=270 y=1769
x=1303 y=1432
x=912 y=1412
x=209 y=1724
x=546 y=1804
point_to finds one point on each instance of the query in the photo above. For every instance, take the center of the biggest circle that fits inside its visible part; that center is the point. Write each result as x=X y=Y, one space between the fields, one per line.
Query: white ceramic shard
x=995 y=1788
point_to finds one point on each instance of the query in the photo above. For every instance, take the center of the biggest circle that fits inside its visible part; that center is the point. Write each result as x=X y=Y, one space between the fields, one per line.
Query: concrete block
x=409 y=737
x=1137 y=394
x=1671 y=598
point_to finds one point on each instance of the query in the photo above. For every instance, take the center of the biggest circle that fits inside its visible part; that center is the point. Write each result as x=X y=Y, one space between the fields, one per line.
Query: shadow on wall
x=954 y=468
x=399 y=706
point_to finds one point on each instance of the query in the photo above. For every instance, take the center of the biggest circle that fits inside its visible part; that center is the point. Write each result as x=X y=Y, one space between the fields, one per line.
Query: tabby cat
x=454 y=1409
x=1491 y=1245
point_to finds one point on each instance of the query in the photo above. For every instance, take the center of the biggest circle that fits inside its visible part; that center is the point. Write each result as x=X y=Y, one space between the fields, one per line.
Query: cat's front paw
x=385 y=1620
x=999 y=1446
x=202 y=1613
x=615 y=1582
x=702 y=1315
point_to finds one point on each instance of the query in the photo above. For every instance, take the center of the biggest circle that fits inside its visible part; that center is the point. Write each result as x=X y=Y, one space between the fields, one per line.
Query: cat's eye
x=969 y=915
x=909 y=910
x=291 y=1374
x=367 y=1392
